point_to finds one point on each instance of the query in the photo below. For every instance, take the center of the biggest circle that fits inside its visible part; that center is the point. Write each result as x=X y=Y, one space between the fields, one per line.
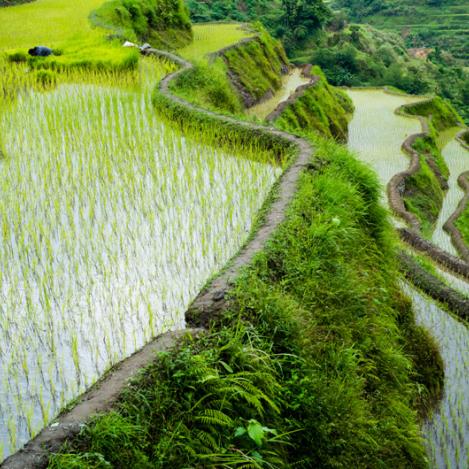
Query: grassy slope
x=258 y=65
x=313 y=364
x=322 y=108
x=208 y=84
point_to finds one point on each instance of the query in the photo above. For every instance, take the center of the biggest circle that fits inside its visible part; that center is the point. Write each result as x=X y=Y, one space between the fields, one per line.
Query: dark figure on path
x=40 y=51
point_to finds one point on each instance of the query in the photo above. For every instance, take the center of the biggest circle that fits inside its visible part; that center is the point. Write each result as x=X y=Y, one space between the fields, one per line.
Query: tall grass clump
x=321 y=108
x=311 y=365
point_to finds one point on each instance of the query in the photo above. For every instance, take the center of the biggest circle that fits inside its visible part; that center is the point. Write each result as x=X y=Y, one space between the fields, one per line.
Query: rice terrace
x=233 y=234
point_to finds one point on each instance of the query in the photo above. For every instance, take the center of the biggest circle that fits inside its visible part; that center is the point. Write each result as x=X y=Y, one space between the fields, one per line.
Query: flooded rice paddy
x=110 y=224
x=447 y=429
x=376 y=134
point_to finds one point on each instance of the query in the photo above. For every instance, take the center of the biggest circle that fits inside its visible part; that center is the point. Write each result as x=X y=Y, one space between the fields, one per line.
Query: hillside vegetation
x=288 y=375
x=423 y=23
x=322 y=108
x=360 y=55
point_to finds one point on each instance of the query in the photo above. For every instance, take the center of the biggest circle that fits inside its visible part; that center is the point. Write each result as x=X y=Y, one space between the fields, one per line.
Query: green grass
x=258 y=65
x=47 y=22
x=441 y=113
x=317 y=363
x=211 y=37
x=209 y=87
x=322 y=109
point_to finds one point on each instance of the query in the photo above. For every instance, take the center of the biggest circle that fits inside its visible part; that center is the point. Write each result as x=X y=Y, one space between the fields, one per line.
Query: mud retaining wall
x=433 y=287
x=450 y=262
x=299 y=92
x=396 y=186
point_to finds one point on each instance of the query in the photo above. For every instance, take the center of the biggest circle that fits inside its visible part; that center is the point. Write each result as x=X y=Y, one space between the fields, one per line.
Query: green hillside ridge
x=322 y=108
x=423 y=23
x=257 y=66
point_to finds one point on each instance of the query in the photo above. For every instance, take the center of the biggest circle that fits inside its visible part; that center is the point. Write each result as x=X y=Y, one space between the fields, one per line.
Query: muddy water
x=290 y=83
x=447 y=430
x=376 y=134
x=457 y=160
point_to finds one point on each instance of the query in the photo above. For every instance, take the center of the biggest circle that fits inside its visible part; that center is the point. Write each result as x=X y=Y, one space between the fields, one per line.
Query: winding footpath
x=209 y=302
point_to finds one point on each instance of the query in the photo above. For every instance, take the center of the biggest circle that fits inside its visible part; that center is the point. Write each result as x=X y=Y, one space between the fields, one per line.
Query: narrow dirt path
x=210 y=301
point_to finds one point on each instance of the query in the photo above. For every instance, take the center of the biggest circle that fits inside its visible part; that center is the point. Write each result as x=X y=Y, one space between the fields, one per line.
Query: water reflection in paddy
x=376 y=133
x=447 y=430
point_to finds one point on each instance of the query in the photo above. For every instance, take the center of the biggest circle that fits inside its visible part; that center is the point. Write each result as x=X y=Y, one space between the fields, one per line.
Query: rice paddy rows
x=110 y=225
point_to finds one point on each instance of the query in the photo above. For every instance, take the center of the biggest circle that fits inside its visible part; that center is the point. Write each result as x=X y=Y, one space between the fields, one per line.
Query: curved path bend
x=412 y=236
x=209 y=302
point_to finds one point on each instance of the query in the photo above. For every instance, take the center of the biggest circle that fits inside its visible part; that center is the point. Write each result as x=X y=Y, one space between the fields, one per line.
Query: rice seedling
x=111 y=223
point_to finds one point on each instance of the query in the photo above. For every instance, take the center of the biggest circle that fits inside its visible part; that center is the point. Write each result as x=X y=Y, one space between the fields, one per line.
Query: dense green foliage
x=209 y=87
x=322 y=109
x=317 y=362
x=360 y=55
x=256 y=66
x=423 y=23
x=440 y=113
x=292 y=21
x=161 y=22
